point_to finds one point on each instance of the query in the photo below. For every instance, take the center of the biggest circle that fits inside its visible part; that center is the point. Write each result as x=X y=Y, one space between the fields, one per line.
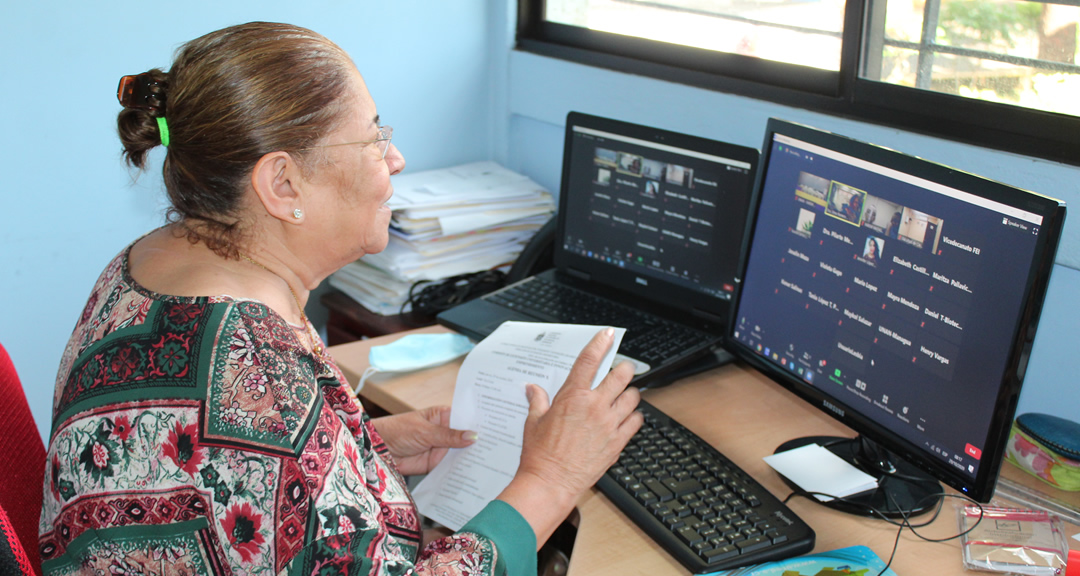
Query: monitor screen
x=896 y=294
x=667 y=208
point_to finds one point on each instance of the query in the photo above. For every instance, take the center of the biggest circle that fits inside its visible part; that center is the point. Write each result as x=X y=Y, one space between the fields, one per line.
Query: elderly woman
x=199 y=425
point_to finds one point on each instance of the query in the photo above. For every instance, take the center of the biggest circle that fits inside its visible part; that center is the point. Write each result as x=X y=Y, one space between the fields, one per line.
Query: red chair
x=20 y=485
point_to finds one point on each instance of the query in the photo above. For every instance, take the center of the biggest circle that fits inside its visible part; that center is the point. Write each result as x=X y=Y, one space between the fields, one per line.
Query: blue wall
x=71 y=204
x=542 y=90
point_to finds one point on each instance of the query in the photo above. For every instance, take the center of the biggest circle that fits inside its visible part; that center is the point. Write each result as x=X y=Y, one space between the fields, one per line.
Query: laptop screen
x=647 y=207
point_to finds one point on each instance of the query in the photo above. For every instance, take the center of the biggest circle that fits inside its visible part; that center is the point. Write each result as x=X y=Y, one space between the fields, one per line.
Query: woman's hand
x=574 y=439
x=570 y=443
x=418 y=440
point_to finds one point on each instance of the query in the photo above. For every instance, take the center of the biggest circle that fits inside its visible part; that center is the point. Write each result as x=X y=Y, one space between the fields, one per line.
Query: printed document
x=489 y=398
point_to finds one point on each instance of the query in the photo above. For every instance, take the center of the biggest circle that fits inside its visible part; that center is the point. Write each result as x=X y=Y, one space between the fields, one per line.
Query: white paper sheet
x=468 y=182
x=815 y=469
x=489 y=398
x=480 y=219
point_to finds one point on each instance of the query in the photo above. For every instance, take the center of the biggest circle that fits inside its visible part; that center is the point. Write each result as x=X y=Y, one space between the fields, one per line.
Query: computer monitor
x=899 y=296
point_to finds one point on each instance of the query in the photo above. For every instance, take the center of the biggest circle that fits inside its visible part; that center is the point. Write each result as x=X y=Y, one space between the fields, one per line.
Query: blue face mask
x=415 y=352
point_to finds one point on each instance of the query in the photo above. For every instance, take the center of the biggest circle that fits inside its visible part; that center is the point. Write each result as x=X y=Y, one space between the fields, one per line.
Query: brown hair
x=231 y=97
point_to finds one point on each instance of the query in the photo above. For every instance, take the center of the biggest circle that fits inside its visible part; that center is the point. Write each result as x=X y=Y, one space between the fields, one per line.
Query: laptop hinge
x=578 y=274
x=708 y=316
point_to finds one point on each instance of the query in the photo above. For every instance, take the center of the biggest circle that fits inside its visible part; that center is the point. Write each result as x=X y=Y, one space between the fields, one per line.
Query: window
x=1016 y=52
x=759 y=28
x=998 y=73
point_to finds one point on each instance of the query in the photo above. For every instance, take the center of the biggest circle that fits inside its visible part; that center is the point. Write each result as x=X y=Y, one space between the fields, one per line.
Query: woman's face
x=353 y=185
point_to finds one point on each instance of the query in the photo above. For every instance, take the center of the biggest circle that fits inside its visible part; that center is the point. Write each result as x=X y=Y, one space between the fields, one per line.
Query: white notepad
x=815 y=469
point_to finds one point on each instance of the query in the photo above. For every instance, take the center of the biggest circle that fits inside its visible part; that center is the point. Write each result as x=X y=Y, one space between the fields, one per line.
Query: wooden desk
x=734 y=408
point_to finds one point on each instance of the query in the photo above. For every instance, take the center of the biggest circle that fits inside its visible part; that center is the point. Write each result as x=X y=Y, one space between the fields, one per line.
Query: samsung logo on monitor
x=834 y=409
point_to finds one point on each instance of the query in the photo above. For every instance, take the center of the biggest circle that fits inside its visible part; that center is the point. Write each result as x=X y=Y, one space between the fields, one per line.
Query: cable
x=905 y=521
x=429 y=297
x=896 y=541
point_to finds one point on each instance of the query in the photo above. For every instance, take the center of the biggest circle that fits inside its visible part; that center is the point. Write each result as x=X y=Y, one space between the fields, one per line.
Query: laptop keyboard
x=699 y=506
x=648 y=338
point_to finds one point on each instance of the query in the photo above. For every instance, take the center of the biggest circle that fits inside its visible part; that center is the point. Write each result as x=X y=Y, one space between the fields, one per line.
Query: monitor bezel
x=1008 y=391
x=710 y=309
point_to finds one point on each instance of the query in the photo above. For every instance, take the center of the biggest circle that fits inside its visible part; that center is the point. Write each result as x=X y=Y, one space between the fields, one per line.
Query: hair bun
x=144 y=98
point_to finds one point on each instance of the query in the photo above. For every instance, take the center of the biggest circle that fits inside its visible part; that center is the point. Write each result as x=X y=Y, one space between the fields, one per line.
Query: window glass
x=804 y=32
x=1008 y=51
x=995 y=73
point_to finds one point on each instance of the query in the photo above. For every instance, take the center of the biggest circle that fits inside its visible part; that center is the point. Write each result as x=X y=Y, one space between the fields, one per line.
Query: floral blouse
x=196 y=435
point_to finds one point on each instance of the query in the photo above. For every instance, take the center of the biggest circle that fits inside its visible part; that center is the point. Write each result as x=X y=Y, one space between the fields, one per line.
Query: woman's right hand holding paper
x=572 y=440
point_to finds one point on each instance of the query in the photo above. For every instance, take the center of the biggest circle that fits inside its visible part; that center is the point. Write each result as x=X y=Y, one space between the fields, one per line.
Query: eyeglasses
x=383 y=142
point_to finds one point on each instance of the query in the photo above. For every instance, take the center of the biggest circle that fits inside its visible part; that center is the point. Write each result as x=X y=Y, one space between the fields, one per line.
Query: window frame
x=1048 y=135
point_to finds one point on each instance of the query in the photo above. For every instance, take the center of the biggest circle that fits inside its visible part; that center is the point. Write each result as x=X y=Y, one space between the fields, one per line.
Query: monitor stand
x=903 y=489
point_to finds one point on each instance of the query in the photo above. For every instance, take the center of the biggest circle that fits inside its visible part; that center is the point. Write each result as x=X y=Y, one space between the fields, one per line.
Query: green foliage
x=987 y=22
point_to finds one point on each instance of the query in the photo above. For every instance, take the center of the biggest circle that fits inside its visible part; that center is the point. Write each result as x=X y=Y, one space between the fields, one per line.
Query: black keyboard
x=648 y=338
x=698 y=505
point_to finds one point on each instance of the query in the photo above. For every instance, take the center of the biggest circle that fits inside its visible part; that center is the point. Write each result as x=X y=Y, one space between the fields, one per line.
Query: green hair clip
x=163 y=127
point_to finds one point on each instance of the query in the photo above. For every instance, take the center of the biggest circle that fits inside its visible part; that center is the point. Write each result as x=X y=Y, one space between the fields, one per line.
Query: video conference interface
x=895 y=295
x=660 y=211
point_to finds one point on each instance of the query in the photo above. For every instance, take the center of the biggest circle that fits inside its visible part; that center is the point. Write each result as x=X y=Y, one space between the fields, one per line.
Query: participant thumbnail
x=872 y=250
x=813 y=188
x=652 y=169
x=880 y=214
x=894 y=225
x=629 y=163
x=805 y=225
x=603 y=176
x=845 y=203
x=919 y=229
x=679 y=175
x=652 y=189
x=604 y=157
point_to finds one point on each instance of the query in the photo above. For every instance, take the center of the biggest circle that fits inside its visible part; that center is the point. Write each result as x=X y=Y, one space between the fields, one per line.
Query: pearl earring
x=298 y=213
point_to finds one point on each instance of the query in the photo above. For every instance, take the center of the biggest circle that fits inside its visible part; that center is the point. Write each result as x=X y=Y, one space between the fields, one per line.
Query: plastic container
x=1047 y=447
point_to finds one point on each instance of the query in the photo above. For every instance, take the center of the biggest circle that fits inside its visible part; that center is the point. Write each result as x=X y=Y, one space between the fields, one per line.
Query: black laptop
x=648 y=237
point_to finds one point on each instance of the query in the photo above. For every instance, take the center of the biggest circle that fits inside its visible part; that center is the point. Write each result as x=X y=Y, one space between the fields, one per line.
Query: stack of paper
x=447 y=222
x=817 y=470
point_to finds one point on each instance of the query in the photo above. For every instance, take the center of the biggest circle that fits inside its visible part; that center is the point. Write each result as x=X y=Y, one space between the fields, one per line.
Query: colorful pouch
x=1048 y=447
